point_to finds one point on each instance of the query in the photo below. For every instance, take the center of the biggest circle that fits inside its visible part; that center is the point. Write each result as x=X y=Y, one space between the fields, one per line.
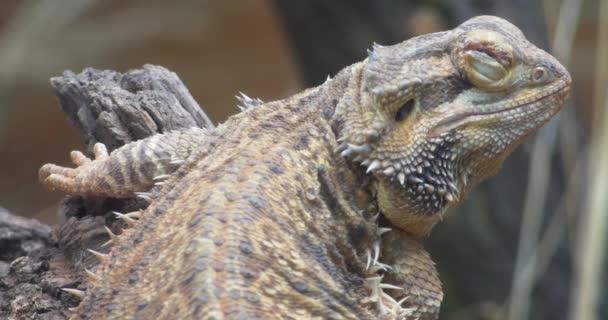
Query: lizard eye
x=484 y=58
x=405 y=110
x=483 y=70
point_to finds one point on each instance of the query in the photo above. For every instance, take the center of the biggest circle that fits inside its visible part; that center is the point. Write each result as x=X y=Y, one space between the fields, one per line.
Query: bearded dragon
x=312 y=207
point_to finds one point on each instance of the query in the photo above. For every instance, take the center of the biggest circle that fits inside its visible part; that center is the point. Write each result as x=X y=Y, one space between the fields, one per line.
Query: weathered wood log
x=20 y=236
x=116 y=108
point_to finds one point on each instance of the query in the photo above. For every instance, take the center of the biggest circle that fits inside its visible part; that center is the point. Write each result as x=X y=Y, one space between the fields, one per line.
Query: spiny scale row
x=130 y=219
x=428 y=176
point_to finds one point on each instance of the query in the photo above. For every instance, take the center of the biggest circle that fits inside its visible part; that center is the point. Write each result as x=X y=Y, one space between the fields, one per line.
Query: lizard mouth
x=560 y=91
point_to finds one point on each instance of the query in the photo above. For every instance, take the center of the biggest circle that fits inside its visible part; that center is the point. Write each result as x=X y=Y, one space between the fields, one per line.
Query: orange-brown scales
x=310 y=207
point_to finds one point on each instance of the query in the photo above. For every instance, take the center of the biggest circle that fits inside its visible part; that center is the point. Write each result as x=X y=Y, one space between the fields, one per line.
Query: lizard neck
x=326 y=99
x=322 y=102
x=345 y=185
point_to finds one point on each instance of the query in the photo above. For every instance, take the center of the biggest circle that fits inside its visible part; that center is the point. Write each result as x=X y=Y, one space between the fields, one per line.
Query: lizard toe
x=78 y=158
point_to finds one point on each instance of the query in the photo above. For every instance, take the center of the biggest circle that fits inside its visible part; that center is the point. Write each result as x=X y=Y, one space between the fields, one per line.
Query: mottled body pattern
x=310 y=207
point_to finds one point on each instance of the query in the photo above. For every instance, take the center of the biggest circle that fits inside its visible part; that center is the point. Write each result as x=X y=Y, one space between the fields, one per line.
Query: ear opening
x=405 y=110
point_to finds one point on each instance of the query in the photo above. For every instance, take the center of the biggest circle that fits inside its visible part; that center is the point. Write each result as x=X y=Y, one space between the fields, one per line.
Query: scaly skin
x=274 y=214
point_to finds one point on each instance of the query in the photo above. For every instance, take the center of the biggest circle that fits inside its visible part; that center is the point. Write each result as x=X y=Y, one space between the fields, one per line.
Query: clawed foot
x=64 y=179
x=385 y=303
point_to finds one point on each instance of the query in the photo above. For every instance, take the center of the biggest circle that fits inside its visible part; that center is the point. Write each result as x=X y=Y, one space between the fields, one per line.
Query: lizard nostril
x=539 y=74
x=405 y=110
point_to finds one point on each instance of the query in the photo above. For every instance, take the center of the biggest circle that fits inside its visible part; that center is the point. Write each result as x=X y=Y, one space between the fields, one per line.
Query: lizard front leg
x=416 y=286
x=129 y=169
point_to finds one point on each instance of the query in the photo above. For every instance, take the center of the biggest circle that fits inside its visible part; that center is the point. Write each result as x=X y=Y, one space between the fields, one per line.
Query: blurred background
x=527 y=244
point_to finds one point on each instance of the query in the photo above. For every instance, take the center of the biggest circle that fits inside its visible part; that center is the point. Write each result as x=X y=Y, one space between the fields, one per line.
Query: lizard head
x=437 y=114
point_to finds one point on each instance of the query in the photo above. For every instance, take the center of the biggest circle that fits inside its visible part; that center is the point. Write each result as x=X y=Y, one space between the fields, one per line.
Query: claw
x=376 y=252
x=381 y=266
x=390 y=299
x=400 y=302
x=369 y=259
x=389 y=286
x=403 y=312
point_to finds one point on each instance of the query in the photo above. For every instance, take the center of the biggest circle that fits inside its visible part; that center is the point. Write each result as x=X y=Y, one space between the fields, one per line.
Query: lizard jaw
x=559 y=90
